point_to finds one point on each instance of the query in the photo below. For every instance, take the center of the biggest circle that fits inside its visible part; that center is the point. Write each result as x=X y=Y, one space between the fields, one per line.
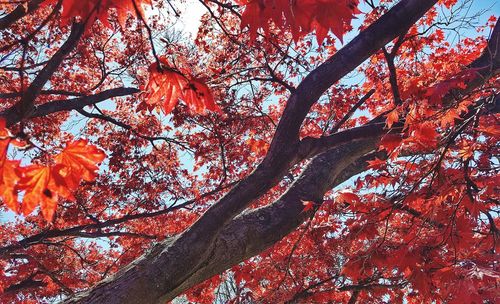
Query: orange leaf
x=92 y=10
x=9 y=173
x=490 y=130
x=9 y=177
x=40 y=190
x=300 y=17
x=4 y=132
x=79 y=161
x=392 y=117
x=43 y=185
x=167 y=86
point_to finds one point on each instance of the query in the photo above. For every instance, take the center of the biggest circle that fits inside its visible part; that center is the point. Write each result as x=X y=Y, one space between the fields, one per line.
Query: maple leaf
x=376 y=163
x=92 y=10
x=79 y=161
x=392 y=117
x=300 y=17
x=4 y=132
x=308 y=205
x=489 y=130
x=425 y=134
x=390 y=142
x=43 y=185
x=40 y=189
x=167 y=86
x=198 y=96
x=9 y=173
x=421 y=281
x=333 y=15
x=437 y=92
x=397 y=243
x=347 y=197
x=449 y=118
x=9 y=177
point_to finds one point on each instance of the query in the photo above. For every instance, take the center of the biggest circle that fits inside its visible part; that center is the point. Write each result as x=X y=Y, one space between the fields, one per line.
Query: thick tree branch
x=170 y=265
x=487 y=65
x=389 y=26
x=28 y=283
x=12 y=116
x=256 y=230
x=310 y=146
x=43 y=92
x=25 y=107
x=19 y=12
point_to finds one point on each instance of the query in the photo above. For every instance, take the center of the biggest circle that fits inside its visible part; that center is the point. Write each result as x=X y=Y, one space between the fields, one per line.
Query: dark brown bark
x=254 y=231
x=12 y=115
x=251 y=232
x=19 y=12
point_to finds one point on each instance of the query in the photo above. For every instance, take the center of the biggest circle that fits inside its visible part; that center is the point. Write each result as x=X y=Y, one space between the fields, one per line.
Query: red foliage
x=300 y=17
x=91 y=10
x=408 y=213
x=166 y=86
x=42 y=185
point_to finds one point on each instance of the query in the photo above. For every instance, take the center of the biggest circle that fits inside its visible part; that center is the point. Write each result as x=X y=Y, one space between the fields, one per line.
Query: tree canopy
x=306 y=151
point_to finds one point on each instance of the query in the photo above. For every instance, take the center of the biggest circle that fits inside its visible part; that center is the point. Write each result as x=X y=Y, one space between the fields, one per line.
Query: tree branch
x=25 y=107
x=19 y=12
x=12 y=116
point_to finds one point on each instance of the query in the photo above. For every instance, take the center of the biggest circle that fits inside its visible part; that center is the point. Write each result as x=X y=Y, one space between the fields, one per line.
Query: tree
x=265 y=161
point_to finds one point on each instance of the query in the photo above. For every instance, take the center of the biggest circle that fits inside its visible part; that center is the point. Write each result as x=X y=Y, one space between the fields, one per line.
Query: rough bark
x=222 y=238
x=256 y=230
x=25 y=108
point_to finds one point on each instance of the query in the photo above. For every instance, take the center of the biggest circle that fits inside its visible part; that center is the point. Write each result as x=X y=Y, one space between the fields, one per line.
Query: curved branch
x=254 y=231
x=19 y=12
x=25 y=107
x=12 y=116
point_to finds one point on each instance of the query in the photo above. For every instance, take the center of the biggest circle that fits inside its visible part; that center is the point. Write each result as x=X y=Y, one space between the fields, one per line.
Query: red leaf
x=308 y=205
x=392 y=117
x=376 y=163
x=79 y=161
x=390 y=142
x=92 y=10
x=300 y=17
x=437 y=92
x=425 y=134
x=167 y=86
x=347 y=197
